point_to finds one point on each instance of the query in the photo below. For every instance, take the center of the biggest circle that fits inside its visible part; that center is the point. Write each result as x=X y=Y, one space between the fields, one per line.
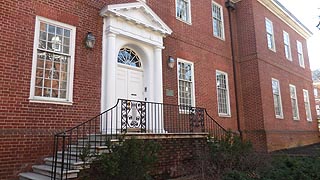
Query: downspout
x=231 y=6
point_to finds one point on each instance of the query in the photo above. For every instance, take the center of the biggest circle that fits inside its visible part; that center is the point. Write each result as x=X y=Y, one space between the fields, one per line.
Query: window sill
x=225 y=115
x=50 y=101
x=296 y=119
x=273 y=50
x=220 y=38
x=279 y=117
x=187 y=22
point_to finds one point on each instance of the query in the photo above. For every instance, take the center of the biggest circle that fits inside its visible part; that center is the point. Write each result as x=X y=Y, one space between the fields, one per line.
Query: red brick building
x=246 y=64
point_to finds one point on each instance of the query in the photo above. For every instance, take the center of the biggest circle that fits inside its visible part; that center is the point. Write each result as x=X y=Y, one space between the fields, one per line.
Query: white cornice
x=286 y=17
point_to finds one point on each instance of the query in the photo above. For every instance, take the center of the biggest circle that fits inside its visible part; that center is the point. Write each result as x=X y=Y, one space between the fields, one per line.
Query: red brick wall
x=26 y=128
x=178 y=155
x=197 y=44
x=258 y=65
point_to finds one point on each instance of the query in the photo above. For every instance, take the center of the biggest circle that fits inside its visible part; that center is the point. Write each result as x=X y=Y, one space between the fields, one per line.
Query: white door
x=129 y=84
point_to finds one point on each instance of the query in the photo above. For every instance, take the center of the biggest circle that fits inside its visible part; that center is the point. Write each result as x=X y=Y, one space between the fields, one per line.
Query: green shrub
x=293 y=168
x=132 y=160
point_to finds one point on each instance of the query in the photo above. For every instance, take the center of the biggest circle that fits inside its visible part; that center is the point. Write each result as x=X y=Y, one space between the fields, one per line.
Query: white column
x=111 y=56
x=158 y=87
x=108 y=80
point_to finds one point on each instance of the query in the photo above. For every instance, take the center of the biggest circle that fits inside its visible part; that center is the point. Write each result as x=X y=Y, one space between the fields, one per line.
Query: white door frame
x=136 y=25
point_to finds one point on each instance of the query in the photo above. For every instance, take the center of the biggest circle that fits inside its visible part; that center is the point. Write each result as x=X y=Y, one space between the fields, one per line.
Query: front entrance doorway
x=129 y=81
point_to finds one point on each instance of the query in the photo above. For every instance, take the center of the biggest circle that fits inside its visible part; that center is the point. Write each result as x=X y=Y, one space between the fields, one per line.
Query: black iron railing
x=76 y=145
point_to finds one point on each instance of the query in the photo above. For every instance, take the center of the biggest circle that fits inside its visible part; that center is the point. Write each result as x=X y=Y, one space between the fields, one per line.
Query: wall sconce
x=90 y=40
x=171 y=62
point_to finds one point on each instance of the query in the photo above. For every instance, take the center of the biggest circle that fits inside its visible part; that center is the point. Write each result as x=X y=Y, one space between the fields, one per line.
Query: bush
x=132 y=160
x=293 y=168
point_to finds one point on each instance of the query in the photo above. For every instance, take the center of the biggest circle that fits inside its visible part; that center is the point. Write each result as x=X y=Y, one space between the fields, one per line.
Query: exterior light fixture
x=171 y=62
x=90 y=40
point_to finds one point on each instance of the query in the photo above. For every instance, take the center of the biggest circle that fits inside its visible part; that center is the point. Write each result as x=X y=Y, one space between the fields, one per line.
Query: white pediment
x=138 y=13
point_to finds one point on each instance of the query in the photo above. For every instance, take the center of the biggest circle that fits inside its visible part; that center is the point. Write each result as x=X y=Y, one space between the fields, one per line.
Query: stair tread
x=34 y=176
x=49 y=169
x=73 y=162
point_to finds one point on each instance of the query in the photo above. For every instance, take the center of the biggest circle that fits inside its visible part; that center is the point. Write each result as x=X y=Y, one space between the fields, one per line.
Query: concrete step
x=73 y=164
x=92 y=143
x=77 y=148
x=33 y=176
x=46 y=170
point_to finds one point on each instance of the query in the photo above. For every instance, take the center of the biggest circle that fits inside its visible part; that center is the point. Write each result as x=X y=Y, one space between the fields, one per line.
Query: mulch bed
x=309 y=150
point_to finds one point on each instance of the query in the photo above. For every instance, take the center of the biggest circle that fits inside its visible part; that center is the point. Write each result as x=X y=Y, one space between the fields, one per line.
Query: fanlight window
x=128 y=57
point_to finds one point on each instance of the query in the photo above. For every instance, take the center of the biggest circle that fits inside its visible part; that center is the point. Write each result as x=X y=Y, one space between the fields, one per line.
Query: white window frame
x=287 y=51
x=280 y=100
x=69 y=96
x=188 y=21
x=315 y=92
x=300 y=54
x=295 y=97
x=271 y=34
x=306 y=100
x=193 y=100
x=222 y=37
x=228 y=114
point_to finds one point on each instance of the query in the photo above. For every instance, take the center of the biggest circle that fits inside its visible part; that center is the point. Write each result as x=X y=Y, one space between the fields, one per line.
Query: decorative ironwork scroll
x=133 y=115
x=196 y=119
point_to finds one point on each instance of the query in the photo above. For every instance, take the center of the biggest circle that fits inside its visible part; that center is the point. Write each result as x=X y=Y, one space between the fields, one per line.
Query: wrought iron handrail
x=127 y=116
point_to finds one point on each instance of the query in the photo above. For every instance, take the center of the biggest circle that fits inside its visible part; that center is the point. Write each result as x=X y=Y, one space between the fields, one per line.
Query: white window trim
x=189 y=17
x=306 y=91
x=228 y=95
x=295 y=94
x=273 y=41
x=289 y=45
x=277 y=116
x=222 y=20
x=300 y=63
x=193 y=97
x=69 y=98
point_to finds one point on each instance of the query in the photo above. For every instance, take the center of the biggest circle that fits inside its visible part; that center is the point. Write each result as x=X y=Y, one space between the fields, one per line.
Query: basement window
x=53 y=62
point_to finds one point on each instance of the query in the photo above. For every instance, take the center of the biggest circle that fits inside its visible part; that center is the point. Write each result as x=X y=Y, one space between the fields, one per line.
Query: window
x=53 y=61
x=294 y=102
x=223 y=93
x=287 y=48
x=307 y=104
x=277 y=98
x=186 y=83
x=300 y=54
x=129 y=57
x=217 y=19
x=315 y=91
x=270 y=35
x=183 y=11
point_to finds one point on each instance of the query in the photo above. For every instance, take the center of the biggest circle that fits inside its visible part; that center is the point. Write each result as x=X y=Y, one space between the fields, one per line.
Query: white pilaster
x=158 y=87
x=111 y=62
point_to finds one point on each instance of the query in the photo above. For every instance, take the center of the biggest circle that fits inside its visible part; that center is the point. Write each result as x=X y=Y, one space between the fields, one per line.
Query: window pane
x=222 y=93
x=185 y=83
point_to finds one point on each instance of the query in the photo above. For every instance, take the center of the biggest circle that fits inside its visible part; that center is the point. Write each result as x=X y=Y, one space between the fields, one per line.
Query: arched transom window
x=129 y=57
